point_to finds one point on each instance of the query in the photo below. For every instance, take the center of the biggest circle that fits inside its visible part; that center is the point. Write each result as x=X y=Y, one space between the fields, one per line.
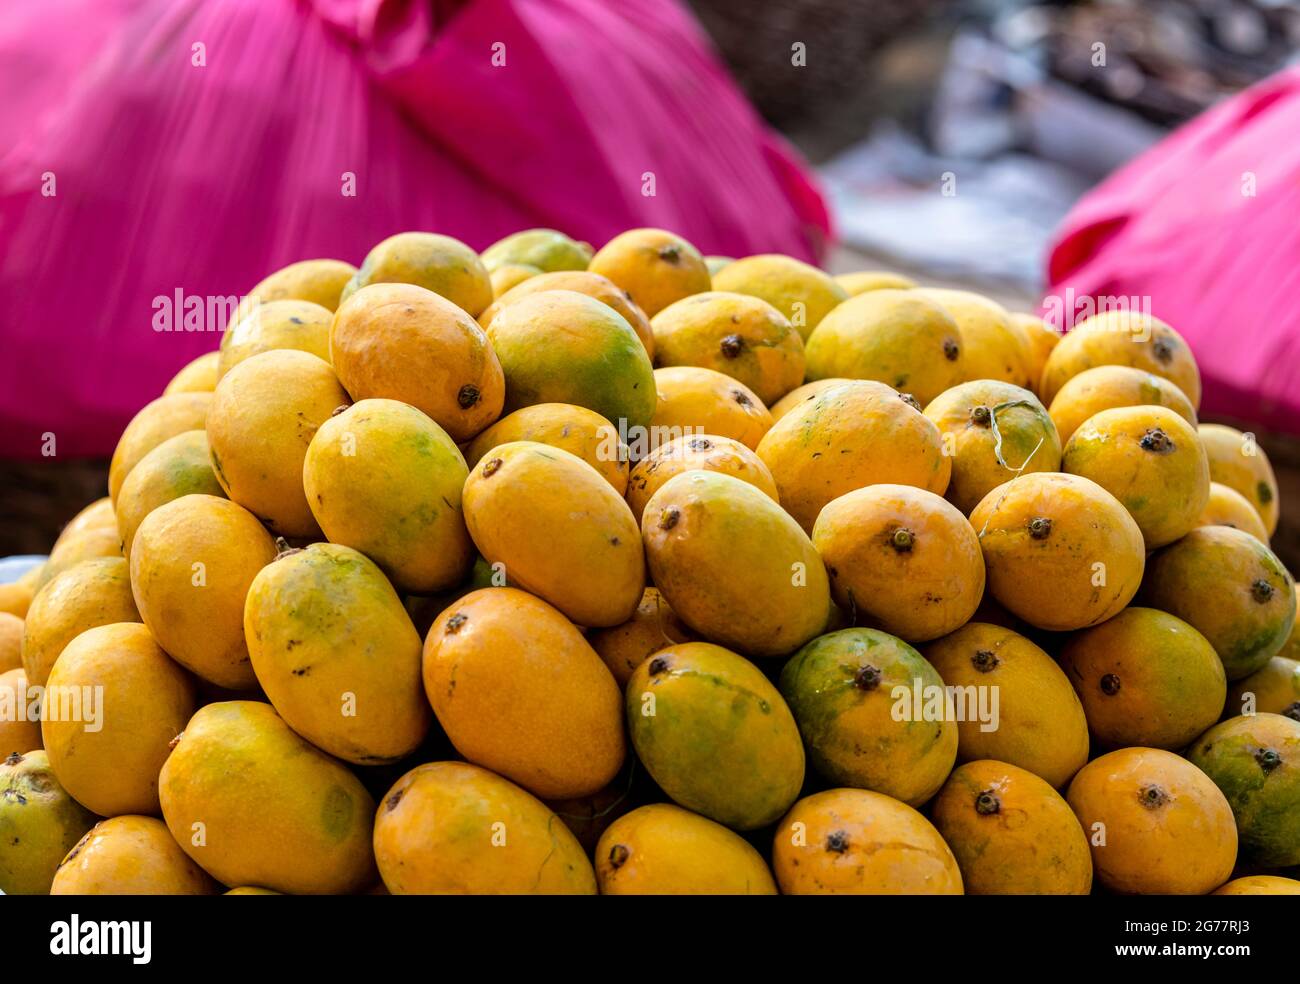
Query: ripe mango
x=19 y=731
x=652 y=627
x=336 y=653
x=662 y=849
x=561 y=425
x=94 y=592
x=271 y=325
x=1274 y=689
x=1042 y=338
x=733 y=565
x=451 y=828
x=546 y=249
x=561 y=531
x=1228 y=507
x=191 y=565
x=384 y=479
x=519 y=691
x=318 y=281
x=197 y=376
x=715 y=734
x=692 y=401
x=254 y=804
x=801 y=292
x=993 y=345
x=584 y=282
x=440 y=264
x=1259 y=885
x=130 y=855
x=91 y=543
x=165 y=417
x=701 y=453
x=654 y=266
x=861 y=281
x=39 y=823
x=181 y=465
x=1238 y=462
x=1106 y=387
x=11 y=642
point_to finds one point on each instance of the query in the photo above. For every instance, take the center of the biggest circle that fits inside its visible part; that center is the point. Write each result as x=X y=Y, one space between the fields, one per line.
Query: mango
x=858 y=842
x=507 y=277
x=559 y=346
x=164 y=417
x=801 y=292
x=1151 y=460
x=1155 y=822
x=251 y=890
x=654 y=266
x=704 y=453
x=451 y=828
x=896 y=337
x=1238 y=462
x=1042 y=337
x=733 y=565
x=20 y=726
x=1060 y=551
x=97 y=515
x=1231 y=588
x=39 y=823
x=1107 y=387
x=318 y=281
x=113 y=703
x=1272 y=689
x=662 y=849
x=192 y=563
x=848 y=436
x=181 y=465
x=11 y=642
x=196 y=376
x=561 y=425
x=519 y=691
x=1039 y=725
x=740 y=336
x=844 y=691
x=903 y=557
x=798 y=395
x=130 y=855
x=92 y=543
x=402 y=342
x=254 y=804
x=1259 y=885
x=994 y=432
x=271 y=325
x=94 y=592
x=583 y=282
x=440 y=264
x=264 y=414
x=337 y=654
x=715 y=735
x=560 y=530
x=652 y=627
x=993 y=345
x=1145 y=678
x=384 y=479
x=1122 y=338
x=1228 y=507
x=1011 y=833
x=691 y=402
x=861 y=281
x=546 y=249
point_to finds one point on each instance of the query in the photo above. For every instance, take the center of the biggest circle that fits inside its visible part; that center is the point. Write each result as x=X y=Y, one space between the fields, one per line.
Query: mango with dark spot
x=692 y=401
x=652 y=627
x=841 y=688
x=561 y=425
x=715 y=734
x=1237 y=461
x=705 y=452
x=254 y=804
x=993 y=345
x=336 y=653
x=39 y=823
x=859 y=842
x=451 y=828
x=1106 y=387
x=654 y=266
x=130 y=855
x=288 y=324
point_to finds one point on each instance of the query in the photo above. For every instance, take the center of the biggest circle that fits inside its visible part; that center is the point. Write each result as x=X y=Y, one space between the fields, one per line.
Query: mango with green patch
x=39 y=823
x=437 y=263
x=1107 y=387
x=181 y=465
x=582 y=282
x=1237 y=461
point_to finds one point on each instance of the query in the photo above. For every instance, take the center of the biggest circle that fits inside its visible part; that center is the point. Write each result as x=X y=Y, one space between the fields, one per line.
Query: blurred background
x=1020 y=107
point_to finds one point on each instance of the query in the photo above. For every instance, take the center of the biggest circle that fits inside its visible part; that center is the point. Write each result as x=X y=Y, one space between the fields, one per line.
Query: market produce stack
x=636 y=571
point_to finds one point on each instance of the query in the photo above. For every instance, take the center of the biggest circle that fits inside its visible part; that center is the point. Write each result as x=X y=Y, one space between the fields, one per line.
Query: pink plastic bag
x=169 y=176
x=1207 y=226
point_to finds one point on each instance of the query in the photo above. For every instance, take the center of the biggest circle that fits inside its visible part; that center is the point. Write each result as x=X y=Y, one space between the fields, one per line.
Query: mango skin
x=1259 y=885
x=1168 y=829
x=1231 y=588
x=164 y=417
x=384 y=479
x=743 y=337
x=271 y=325
x=179 y=466
x=561 y=531
x=861 y=281
x=1151 y=460
x=130 y=855
x=146 y=701
x=196 y=376
x=336 y=653
x=1145 y=678
x=11 y=642
x=993 y=345
x=858 y=842
x=402 y=342
x=841 y=690
x=451 y=828
x=733 y=565
x=652 y=627
x=1042 y=338
x=17 y=733
x=264 y=414
x=92 y=533
x=559 y=346
x=1241 y=464
x=715 y=734
x=1043 y=535
x=275 y=811
x=654 y=266
x=801 y=393
x=1228 y=507
x=318 y=281
x=201 y=625
x=1041 y=724
x=800 y=291
x=849 y=436
x=1026 y=438
x=519 y=691
x=706 y=452
x=546 y=249
x=1255 y=762
x=1105 y=387
x=94 y=592
x=440 y=264
x=897 y=337
x=561 y=425
x=691 y=401
x=1011 y=833
x=1275 y=689
x=662 y=849
x=39 y=823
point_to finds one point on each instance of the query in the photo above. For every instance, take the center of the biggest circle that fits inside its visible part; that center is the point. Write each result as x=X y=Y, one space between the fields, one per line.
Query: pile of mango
x=630 y=570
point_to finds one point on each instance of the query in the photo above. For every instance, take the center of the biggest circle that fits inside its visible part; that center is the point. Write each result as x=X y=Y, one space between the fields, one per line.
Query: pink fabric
x=1220 y=266
x=204 y=179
